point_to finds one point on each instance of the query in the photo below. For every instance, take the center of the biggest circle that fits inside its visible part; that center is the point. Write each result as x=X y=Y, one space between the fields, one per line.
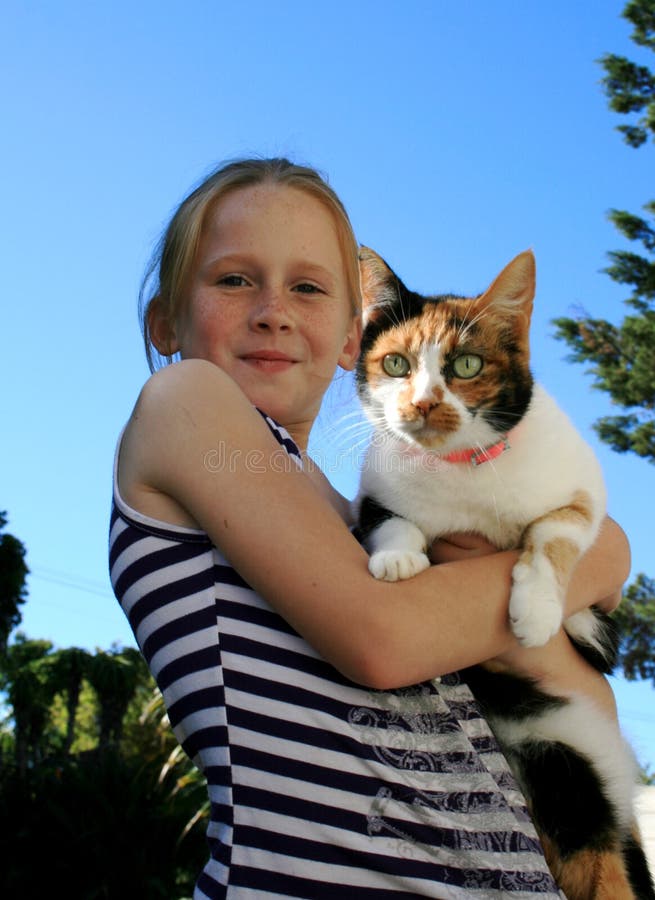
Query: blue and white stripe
x=318 y=788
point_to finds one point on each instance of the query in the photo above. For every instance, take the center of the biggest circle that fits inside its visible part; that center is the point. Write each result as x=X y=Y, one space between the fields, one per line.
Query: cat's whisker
x=467 y=325
x=356 y=415
x=359 y=436
x=400 y=301
x=354 y=442
x=464 y=323
x=349 y=425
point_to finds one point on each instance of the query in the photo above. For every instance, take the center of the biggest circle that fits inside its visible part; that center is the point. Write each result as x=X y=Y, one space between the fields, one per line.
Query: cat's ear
x=512 y=292
x=379 y=284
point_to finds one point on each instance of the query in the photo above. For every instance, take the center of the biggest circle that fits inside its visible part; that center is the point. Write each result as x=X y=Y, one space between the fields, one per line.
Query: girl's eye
x=306 y=287
x=467 y=366
x=232 y=281
x=395 y=365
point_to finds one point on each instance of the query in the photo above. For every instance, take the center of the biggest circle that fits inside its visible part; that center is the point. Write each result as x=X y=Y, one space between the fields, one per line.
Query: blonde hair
x=168 y=273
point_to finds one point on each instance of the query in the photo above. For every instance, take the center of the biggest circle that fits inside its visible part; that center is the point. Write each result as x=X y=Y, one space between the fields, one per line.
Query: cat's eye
x=467 y=366
x=395 y=365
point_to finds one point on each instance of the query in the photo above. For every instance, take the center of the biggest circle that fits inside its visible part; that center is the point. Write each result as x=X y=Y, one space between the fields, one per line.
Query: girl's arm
x=327 y=491
x=293 y=548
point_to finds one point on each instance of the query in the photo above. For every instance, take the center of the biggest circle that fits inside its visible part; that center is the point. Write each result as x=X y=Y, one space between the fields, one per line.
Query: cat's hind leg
x=619 y=873
x=591 y=874
x=636 y=862
x=577 y=822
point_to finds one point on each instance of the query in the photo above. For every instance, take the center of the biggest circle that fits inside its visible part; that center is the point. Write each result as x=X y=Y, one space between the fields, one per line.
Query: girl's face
x=268 y=301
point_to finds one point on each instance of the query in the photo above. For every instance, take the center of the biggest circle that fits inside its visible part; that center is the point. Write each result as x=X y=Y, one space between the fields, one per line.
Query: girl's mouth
x=268 y=360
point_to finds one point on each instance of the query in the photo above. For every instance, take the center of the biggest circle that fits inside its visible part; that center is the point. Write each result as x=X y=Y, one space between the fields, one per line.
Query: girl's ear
x=350 y=351
x=162 y=330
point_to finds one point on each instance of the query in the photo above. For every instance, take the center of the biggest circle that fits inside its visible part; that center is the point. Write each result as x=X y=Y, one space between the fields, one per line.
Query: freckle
x=225 y=525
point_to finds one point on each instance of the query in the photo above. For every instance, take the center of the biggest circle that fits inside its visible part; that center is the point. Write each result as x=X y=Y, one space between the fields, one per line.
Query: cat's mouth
x=431 y=428
x=425 y=436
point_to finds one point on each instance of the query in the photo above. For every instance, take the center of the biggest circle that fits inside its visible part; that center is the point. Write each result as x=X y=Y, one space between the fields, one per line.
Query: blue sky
x=458 y=133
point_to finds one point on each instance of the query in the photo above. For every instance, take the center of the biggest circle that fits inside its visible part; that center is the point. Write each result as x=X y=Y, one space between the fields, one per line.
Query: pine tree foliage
x=621 y=357
x=630 y=87
x=636 y=620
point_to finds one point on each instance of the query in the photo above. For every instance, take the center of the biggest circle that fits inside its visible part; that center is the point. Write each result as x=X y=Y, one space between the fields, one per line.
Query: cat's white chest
x=441 y=497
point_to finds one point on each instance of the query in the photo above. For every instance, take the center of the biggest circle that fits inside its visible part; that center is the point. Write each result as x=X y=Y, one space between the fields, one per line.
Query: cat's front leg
x=552 y=546
x=536 y=601
x=398 y=550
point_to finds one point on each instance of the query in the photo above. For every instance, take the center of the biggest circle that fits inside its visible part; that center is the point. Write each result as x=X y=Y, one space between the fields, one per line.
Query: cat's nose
x=424 y=406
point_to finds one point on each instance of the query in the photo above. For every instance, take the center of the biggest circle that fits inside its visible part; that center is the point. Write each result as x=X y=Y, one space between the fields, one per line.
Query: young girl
x=342 y=757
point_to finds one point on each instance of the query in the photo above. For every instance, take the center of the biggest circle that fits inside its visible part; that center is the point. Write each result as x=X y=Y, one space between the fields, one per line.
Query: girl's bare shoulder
x=182 y=412
x=191 y=381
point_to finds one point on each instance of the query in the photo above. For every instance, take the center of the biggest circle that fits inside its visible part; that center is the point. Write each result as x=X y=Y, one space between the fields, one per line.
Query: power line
x=67 y=579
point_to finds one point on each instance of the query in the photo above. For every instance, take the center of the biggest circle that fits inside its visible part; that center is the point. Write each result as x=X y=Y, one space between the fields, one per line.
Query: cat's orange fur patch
x=590 y=874
x=429 y=329
x=562 y=553
x=579 y=510
x=444 y=419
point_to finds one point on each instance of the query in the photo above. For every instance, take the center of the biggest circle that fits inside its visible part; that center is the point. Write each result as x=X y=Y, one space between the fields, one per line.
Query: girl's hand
x=609 y=604
x=557 y=668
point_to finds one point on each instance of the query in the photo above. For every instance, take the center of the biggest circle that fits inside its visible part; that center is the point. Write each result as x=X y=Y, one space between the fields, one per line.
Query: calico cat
x=466 y=441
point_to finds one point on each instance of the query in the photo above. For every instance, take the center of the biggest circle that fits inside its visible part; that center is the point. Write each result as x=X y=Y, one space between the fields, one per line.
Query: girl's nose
x=271 y=312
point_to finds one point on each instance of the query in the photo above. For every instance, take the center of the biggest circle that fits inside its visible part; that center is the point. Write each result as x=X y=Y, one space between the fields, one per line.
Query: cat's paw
x=397 y=565
x=535 y=610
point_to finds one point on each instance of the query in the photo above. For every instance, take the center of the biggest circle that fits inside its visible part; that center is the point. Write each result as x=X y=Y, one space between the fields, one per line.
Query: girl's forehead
x=282 y=202
x=276 y=218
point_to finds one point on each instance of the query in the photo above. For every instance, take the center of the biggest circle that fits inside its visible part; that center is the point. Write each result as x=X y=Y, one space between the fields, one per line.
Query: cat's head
x=445 y=372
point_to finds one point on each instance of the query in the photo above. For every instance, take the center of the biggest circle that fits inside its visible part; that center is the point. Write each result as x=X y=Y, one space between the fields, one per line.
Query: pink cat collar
x=476 y=456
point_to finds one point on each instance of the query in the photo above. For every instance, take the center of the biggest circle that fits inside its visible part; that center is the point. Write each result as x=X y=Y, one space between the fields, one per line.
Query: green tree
x=13 y=573
x=636 y=620
x=115 y=676
x=26 y=679
x=621 y=357
x=630 y=87
x=69 y=668
x=87 y=758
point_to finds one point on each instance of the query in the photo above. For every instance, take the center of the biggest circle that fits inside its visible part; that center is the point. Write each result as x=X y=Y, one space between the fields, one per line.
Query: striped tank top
x=319 y=789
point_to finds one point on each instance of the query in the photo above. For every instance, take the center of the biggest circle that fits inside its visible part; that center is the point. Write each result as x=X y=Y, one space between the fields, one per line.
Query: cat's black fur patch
x=638 y=872
x=508 y=695
x=405 y=306
x=371 y=514
x=608 y=635
x=565 y=796
x=562 y=789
